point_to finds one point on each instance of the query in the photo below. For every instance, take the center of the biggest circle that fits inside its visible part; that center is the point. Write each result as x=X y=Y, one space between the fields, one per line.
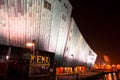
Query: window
x=90 y=53
x=65 y=6
x=63 y=17
x=59 y=0
x=47 y=5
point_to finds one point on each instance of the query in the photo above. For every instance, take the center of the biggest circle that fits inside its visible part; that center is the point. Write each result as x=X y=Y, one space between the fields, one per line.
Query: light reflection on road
x=108 y=76
x=112 y=76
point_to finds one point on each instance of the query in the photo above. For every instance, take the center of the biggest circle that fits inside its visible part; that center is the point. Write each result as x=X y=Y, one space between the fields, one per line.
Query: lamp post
x=31 y=45
x=72 y=62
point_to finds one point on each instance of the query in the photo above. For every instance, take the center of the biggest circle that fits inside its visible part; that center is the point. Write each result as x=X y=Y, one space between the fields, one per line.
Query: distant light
x=51 y=70
x=113 y=73
x=103 y=64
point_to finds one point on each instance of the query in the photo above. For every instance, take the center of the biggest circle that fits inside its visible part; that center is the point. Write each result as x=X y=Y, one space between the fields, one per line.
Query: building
x=49 y=24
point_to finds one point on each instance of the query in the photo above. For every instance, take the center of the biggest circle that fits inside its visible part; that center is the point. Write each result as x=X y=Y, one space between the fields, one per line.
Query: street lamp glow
x=7 y=57
x=29 y=44
x=32 y=46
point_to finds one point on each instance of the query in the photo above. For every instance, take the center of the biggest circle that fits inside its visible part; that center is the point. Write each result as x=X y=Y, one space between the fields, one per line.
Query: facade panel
x=77 y=49
x=55 y=26
x=63 y=29
x=72 y=50
x=45 y=26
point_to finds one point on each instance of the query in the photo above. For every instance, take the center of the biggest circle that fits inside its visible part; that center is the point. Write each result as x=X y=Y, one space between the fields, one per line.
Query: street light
x=29 y=44
x=32 y=46
x=7 y=57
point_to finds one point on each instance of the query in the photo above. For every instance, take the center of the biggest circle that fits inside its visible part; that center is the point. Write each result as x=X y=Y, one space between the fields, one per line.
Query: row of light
x=103 y=66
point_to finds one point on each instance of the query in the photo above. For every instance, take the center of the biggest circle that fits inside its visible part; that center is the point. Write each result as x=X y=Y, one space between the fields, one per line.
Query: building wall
x=77 y=50
x=56 y=18
x=48 y=22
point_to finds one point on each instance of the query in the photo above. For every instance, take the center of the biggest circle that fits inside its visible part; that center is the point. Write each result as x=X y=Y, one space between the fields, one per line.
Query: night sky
x=99 y=23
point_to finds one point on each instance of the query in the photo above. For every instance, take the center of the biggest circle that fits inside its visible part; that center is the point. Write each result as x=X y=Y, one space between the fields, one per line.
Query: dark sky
x=99 y=23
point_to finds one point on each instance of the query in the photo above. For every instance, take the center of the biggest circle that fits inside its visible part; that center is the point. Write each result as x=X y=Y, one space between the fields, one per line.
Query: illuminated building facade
x=77 y=51
x=49 y=24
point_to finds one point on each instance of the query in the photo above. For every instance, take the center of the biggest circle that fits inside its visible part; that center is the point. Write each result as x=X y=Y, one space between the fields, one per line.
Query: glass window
x=59 y=0
x=47 y=5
